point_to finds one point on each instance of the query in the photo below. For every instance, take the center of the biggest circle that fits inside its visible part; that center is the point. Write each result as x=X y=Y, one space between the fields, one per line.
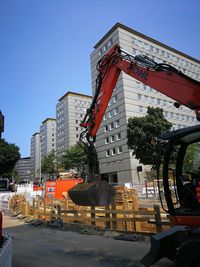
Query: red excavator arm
x=162 y=77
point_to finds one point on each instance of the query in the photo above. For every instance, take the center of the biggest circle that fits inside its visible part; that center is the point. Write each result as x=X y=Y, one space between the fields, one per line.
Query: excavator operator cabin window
x=191 y=163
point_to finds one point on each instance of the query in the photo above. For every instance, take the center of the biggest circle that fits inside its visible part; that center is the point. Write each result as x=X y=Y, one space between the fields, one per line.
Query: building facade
x=47 y=136
x=35 y=156
x=23 y=169
x=131 y=98
x=70 y=111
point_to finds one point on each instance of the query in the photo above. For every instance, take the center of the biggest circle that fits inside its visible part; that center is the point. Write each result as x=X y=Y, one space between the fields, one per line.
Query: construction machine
x=182 y=242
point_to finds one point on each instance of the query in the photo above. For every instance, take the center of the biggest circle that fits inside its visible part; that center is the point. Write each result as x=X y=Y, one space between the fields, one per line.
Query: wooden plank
x=121 y=219
x=107 y=215
x=93 y=215
x=114 y=216
x=163 y=222
x=133 y=212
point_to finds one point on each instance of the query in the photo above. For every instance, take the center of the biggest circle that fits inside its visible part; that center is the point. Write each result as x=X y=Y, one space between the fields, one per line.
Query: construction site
x=57 y=232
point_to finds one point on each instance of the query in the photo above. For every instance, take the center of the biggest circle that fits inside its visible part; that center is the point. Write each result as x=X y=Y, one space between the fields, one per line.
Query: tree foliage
x=142 y=133
x=74 y=158
x=9 y=155
x=48 y=164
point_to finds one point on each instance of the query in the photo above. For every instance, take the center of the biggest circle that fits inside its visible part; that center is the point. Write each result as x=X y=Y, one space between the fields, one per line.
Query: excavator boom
x=162 y=77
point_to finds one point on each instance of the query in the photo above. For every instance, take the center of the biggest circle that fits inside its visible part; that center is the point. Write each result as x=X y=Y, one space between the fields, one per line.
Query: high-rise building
x=23 y=169
x=47 y=136
x=131 y=98
x=35 y=156
x=70 y=111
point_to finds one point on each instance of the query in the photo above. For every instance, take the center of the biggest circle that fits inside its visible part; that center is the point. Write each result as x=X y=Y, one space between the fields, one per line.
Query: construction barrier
x=123 y=215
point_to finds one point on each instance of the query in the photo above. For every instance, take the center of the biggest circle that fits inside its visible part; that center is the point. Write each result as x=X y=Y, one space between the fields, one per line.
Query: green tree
x=48 y=164
x=142 y=134
x=9 y=155
x=74 y=158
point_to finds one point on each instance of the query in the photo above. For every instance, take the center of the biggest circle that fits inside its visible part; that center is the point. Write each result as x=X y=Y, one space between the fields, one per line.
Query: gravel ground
x=41 y=246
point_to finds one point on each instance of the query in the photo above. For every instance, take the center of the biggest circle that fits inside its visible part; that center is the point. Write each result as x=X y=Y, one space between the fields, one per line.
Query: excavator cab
x=183 y=193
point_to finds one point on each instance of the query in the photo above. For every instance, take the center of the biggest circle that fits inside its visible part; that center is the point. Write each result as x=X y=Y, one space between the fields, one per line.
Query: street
x=41 y=246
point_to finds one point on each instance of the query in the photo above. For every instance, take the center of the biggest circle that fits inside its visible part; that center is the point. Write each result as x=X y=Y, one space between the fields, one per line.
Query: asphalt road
x=40 y=246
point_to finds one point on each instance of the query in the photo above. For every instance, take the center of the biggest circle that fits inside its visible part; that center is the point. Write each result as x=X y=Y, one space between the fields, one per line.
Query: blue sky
x=46 y=45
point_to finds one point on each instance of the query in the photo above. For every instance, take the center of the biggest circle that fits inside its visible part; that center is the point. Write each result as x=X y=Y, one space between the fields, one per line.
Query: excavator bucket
x=98 y=193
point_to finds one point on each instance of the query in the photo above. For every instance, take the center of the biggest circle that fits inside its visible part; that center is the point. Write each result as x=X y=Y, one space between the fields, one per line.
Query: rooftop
x=119 y=25
x=74 y=94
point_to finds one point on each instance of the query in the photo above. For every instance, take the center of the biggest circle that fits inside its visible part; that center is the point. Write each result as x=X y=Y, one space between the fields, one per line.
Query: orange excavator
x=182 y=242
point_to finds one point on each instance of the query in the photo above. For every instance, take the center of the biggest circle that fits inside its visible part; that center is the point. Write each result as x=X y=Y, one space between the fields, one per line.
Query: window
x=105 y=128
x=116 y=110
x=134 y=51
x=110 y=114
x=119 y=136
x=111 y=125
x=140 y=109
x=119 y=150
x=107 y=153
x=114 y=151
x=115 y=99
x=139 y=97
x=107 y=140
x=134 y=41
x=151 y=100
x=77 y=128
x=110 y=42
x=112 y=138
x=117 y=123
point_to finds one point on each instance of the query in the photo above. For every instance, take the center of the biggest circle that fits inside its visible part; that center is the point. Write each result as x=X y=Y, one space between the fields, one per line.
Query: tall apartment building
x=47 y=136
x=131 y=98
x=70 y=111
x=35 y=156
x=23 y=169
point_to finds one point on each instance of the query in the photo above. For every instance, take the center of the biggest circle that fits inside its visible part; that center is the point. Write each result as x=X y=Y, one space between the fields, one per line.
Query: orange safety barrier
x=55 y=189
